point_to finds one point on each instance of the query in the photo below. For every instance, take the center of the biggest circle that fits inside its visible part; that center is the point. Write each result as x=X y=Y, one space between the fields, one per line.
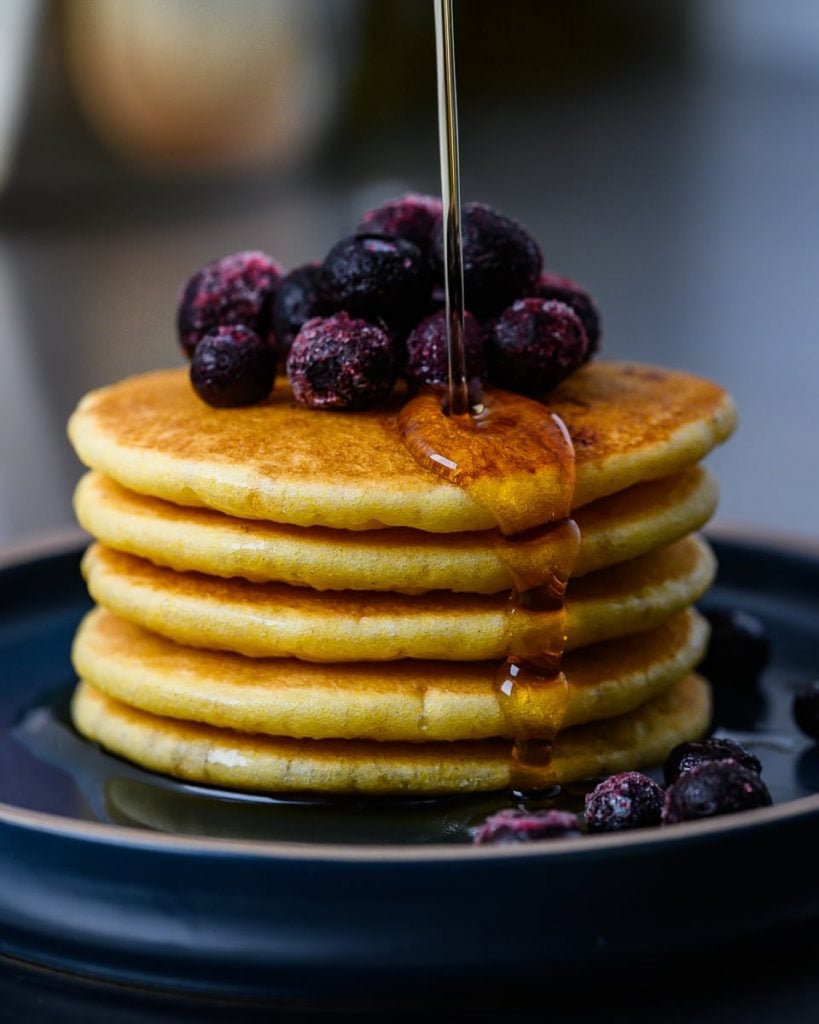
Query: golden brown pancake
x=414 y=701
x=284 y=463
x=613 y=529
x=220 y=757
x=276 y=620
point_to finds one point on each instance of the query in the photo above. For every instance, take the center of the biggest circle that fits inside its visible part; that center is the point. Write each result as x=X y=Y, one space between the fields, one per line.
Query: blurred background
x=666 y=156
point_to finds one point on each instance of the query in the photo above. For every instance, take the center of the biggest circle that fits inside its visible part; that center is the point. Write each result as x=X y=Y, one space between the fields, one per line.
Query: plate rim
x=67 y=541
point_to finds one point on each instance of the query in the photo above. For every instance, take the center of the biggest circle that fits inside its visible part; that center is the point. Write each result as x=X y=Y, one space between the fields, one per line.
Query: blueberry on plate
x=714 y=788
x=515 y=826
x=686 y=756
x=806 y=709
x=738 y=651
x=624 y=801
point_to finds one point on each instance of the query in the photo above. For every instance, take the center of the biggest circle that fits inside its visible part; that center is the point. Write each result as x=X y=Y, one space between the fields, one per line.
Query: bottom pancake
x=221 y=757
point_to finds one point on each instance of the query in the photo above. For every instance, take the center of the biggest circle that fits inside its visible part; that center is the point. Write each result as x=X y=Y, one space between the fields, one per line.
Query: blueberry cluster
x=347 y=328
x=703 y=779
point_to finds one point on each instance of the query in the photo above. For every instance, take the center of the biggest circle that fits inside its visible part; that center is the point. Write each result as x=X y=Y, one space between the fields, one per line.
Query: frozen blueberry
x=232 y=367
x=513 y=826
x=534 y=345
x=551 y=286
x=237 y=289
x=411 y=216
x=686 y=756
x=502 y=261
x=341 y=363
x=716 y=787
x=427 y=355
x=375 y=277
x=738 y=651
x=298 y=299
x=628 y=800
x=806 y=709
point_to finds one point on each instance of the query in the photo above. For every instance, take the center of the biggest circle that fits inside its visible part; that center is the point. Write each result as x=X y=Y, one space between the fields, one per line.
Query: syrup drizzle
x=514 y=458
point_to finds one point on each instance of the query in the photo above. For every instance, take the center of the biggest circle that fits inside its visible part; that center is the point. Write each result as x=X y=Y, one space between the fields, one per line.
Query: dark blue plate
x=112 y=872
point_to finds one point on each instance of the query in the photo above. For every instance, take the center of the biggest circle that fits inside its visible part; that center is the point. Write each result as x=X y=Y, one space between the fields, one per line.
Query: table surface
x=686 y=204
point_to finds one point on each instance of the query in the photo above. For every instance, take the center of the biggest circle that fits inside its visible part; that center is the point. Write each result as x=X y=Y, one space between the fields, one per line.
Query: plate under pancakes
x=612 y=530
x=222 y=757
x=275 y=620
x=287 y=464
x=416 y=701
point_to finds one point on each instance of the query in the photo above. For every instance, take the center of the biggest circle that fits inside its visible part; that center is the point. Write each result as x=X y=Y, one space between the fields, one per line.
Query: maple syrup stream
x=515 y=458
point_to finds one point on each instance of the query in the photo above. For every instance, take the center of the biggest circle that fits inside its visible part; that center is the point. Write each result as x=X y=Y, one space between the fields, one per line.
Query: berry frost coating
x=341 y=363
x=375 y=277
x=298 y=299
x=231 y=367
x=534 y=345
x=502 y=261
x=717 y=787
x=411 y=216
x=627 y=800
x=686 y=756
x=513 y=826
x=427 y=355
x=237 y=289
x=551 y=286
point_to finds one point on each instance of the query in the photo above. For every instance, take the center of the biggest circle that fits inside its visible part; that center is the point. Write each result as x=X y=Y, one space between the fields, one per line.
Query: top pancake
x=281 y=462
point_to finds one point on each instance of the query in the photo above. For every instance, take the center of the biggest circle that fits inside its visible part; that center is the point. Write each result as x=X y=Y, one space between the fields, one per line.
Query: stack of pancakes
x=288 y=601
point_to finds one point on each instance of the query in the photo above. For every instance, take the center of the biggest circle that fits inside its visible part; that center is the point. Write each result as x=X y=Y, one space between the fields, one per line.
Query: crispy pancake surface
x=222 y=757
x=283 y=463
x=276 y=620
x=612 y=530
x=415 y=701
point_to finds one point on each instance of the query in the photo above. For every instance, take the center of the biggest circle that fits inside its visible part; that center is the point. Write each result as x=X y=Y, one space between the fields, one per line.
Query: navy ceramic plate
x=112 y=872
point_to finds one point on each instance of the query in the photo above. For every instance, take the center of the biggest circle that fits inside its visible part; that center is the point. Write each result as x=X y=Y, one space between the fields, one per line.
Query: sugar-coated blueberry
x=502 y=261
x=340 y=362
x=375 y=277
x=534 y=345
x=552 y=286
x=427 y=361
x=297 y=300
x=624 y=801
x=410 y=216
x=714 y=788
x=232 y=367
x=686 y=756
x=237 y=289
x=515 y=826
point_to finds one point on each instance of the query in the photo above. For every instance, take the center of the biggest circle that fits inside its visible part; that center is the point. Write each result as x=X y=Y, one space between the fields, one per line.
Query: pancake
x=280 y=462
x=220 y=757
x=612 y=530
x=414 y=701
x=276 y=620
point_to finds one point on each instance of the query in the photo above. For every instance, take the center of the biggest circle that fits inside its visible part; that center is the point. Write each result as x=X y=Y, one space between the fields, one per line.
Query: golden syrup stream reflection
x=516 y=459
